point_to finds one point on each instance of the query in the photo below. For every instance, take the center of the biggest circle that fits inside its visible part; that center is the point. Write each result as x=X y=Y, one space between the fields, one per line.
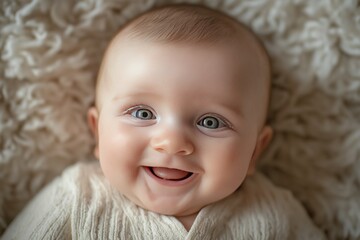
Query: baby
x=179 y=120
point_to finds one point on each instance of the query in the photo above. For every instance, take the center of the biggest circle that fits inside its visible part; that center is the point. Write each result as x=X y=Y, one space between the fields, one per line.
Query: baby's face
x=178 y=127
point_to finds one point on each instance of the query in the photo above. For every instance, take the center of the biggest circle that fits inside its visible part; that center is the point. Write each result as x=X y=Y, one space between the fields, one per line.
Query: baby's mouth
x=171 y=174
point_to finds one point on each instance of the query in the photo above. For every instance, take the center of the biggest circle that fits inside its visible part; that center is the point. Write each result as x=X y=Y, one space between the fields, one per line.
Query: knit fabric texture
x=50 y=53
x=81 y=204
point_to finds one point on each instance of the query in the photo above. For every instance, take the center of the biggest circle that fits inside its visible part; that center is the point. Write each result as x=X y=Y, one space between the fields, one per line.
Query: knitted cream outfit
x=81 y=204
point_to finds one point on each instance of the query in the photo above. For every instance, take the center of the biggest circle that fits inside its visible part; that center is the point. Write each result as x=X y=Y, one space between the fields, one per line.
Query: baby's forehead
x=236 y=54
x=241 y=41
x=197 y=65
x=244 y=50
x=192 y=26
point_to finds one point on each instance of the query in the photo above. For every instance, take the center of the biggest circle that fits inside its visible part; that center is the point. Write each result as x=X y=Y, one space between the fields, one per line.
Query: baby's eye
x=211 y=122
x=143 y=114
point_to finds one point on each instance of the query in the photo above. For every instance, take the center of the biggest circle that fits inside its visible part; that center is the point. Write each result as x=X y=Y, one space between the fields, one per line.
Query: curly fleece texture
x=50 y=54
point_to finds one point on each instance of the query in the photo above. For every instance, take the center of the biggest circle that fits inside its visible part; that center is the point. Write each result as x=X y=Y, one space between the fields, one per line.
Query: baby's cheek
x=230 y=163
x=119 y=154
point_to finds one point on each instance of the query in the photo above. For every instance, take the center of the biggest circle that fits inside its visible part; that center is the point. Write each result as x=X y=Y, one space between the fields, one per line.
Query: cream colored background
x=50 y=53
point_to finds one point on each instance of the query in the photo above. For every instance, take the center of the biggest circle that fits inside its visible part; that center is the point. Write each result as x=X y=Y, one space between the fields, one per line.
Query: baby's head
x=181 y=103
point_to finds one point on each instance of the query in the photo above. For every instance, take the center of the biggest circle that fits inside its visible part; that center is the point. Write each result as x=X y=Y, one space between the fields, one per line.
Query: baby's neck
x=187 y=221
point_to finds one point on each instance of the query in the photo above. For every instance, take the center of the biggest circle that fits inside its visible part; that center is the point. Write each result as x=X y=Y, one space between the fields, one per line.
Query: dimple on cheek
x=119 y=160
x=121 y=146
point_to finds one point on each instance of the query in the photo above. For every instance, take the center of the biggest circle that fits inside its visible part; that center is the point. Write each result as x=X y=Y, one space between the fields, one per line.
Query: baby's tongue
x=169 y=173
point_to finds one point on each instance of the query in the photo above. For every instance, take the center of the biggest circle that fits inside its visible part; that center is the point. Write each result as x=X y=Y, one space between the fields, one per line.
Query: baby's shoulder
x=93 y=200
x=263 y=205
x=84 y=171
x=66 y=206
x=87 y=184
x=82 y=175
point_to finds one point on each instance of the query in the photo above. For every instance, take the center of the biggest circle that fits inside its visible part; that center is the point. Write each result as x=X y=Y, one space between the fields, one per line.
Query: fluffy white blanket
x=50 y=53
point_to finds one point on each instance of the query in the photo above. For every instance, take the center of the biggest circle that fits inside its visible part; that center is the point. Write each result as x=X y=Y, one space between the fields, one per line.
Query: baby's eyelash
x=129 y=110
x=221 y=118
x=134 y=107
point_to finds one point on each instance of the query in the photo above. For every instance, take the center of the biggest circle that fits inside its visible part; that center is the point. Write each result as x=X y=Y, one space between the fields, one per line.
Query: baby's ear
x=262 y=142
x=92 y=117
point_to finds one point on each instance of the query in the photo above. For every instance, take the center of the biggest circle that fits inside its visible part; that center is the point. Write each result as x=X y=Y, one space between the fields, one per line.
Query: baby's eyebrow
x=136 y=94
x=235 y=109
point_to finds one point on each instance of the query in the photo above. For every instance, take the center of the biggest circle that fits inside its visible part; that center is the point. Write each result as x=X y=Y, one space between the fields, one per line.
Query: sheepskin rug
x=50 y=54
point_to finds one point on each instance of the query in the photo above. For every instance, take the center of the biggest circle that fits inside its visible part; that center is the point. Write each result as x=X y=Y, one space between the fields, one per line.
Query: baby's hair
x=182 y=23
x=193 y=24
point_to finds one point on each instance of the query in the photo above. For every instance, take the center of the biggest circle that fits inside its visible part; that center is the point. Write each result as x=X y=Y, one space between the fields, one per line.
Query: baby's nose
x=172 y=141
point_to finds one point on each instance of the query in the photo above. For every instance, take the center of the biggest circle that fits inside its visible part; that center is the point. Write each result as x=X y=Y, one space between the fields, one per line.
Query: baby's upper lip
x=170 y=167
x=172 y=163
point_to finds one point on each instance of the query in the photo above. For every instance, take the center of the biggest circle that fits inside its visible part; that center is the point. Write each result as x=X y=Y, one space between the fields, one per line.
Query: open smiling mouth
x=169 y=174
